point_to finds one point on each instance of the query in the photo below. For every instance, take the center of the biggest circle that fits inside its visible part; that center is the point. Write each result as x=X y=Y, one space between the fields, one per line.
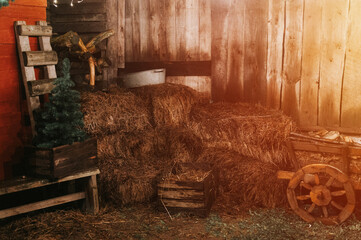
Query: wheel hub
x=320 y=195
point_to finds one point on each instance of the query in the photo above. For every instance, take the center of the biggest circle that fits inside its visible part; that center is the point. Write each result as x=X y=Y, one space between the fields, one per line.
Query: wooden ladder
x=46 y=57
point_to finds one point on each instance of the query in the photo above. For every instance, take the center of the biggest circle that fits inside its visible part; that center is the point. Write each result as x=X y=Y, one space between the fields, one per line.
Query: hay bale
x=178 y=144
x=243 y=179
x=127 y=145
x=169 y=104
x=251 y=130
x=117 y=111
x=127 y=181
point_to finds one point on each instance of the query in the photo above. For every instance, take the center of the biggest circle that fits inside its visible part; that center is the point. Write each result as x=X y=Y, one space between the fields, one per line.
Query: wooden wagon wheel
x=321 y=187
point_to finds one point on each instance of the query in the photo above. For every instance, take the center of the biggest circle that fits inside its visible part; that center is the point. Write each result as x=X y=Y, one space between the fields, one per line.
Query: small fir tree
x=61 y=120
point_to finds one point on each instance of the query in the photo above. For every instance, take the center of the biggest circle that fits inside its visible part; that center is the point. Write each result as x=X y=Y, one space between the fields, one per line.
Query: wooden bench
x=89 y=192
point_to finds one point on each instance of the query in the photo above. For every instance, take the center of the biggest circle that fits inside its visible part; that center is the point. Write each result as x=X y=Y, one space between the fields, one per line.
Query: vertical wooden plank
x=170 y=21
x=120 y=34
x=311 y=55
x=134 y=8
x=128 y=31
x=334 y=29
x=144 y=18
x=155 y=20
x=255 y=37
x=220 y=20
x=351 y=94
x=276 y=28
x=192 y=30
x=205 y=29
x=44 y=44
x=113 y=42
x=92 y=200
x=292 y=58
x=235 y=54
x=163 y=45
x=180 y=21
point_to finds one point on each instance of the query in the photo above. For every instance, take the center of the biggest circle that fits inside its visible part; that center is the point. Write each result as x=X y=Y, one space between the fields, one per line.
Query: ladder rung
x=34 y=30
x=40 y=87
x=39 y=58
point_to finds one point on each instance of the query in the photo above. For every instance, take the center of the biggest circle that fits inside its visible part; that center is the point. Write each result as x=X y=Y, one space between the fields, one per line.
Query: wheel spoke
x=317 y=179
x=306 y=185
x=336 y=205
x=303 y=197
x=330 y=181
x=338 y=193
x=325 y=212
x=311 y=208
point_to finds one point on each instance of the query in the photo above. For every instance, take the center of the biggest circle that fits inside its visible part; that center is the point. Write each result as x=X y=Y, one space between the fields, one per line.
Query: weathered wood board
x=334 y=32
x=310 y=77
x=351 y=89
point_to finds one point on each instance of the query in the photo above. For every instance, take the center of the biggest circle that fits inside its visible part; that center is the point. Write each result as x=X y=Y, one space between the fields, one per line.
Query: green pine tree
x=61 y=120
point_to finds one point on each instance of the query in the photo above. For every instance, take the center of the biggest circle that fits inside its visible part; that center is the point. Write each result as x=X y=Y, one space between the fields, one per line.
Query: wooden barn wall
x=301 y=56
x=13 y=130
x=170 y=31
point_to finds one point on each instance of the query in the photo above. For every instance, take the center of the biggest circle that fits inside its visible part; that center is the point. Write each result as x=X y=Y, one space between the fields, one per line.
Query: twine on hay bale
x=251 y=130
x=243 y=179
x=169 y=104
x=117 y=111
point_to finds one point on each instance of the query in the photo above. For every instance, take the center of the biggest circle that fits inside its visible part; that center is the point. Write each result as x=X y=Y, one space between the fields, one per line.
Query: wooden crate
x=191 y=196
x=61 y=161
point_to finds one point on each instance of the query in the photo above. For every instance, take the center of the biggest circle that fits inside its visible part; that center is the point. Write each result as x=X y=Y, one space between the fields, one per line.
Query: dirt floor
x=145 y=222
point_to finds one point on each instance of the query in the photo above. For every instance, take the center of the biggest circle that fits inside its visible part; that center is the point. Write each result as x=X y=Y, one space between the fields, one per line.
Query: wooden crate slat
x=317 y=147
x=42 y=204
x=35 y=30
x=182 y=203
x=40 y=87
x=181 y=194
x=40 y=58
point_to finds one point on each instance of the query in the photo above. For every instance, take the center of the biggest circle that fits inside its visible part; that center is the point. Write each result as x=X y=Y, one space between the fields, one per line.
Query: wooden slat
x=80 y=27
x=40 y=58
x=181 y=194
x=192 y=30
x=88 y=8
x=275 y=52
x=92 y=200
x=134 y=12
x=41 y=205
x=155 y=19
x=255 y=37
x=180 y=38
x=40 y=87
x=351 y=88
x=182 y=203
x=17 y=185
x=99 y=17
x=334 y=32
x=128 y=32
x=162 y=34
x=120 y=39
x=235 y=53
x=310 y=62
x=220 y=24
x=144 y=27
x=170 y=29
x=316 y=147
x=292 y=57
x=205 y=29
x=35 y=30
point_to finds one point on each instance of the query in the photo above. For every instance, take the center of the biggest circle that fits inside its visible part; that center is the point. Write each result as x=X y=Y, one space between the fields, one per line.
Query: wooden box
x=61 y=161
x=195 y=196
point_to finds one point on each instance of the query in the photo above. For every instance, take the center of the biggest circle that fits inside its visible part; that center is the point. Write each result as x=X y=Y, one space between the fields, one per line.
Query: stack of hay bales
x=144 y=132
x=139 y=135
